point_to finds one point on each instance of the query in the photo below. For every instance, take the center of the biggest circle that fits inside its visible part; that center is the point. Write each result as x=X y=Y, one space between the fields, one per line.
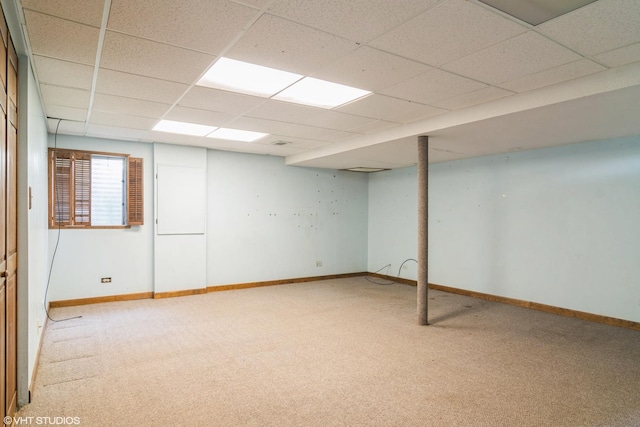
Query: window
x=89 y=189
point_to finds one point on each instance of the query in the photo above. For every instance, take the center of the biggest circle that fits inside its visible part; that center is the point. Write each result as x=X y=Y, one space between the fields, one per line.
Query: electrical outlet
x=105 y=280
x=318 y=263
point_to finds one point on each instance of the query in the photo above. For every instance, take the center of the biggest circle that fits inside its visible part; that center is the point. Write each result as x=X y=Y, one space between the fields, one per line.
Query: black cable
x=397 y=277
x=55 y=250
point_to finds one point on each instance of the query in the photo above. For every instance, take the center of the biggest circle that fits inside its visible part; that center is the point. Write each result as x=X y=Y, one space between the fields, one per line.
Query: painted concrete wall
x=32 y=233
x=557 y=226
x=393 y=235
x=265 y=221
x=85 y=256
x=268 y=221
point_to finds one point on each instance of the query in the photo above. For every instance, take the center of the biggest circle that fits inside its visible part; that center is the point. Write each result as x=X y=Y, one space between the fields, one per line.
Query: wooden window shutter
x=60 y=203
x=82 y=189
x=135 y=191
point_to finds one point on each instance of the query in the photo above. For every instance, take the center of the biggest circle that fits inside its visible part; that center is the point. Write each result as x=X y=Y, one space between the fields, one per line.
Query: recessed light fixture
x=366 y=169
x=320 y=93
x=236 y=135
x=183 y=128
x=535 y=12
x=238 y=76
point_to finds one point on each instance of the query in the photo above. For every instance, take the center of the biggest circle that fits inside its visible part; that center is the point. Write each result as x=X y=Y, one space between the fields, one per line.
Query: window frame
x=134 y=188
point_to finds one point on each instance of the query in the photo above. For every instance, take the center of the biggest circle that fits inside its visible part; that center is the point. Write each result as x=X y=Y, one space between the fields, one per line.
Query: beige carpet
x=338 y=352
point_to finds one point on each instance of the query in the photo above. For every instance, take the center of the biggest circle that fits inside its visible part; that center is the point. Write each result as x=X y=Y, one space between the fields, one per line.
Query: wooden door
x=4 y=35
x=11 y=229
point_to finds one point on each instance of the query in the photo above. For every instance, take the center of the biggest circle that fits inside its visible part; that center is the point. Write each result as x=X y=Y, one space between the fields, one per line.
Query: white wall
x=32 y=233
x=557 y=226
x=393 y=223
x=264 y=221
x=269 y=221
x=85 y=256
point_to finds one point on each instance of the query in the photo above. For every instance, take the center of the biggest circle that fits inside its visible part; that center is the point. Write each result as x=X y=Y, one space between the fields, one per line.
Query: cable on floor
x=387 y=267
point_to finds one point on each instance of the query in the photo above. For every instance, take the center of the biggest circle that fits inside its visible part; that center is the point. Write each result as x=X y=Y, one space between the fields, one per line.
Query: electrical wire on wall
x=396 y=277
x=55 y=250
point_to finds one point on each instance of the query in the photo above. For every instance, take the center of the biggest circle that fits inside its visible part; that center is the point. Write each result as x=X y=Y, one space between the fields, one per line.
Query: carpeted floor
x=332 y=353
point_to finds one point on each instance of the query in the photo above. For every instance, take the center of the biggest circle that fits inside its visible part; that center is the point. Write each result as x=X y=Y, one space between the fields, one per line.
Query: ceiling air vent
x=280 y=143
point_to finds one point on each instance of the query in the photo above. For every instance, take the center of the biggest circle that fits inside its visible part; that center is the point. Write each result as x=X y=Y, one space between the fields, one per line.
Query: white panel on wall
x=181 y=200
x=180 y=244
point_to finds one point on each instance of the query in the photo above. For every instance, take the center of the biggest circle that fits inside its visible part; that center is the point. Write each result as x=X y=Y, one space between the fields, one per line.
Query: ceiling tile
x=390 y=109
x=64 y=96
x=520 y=56
x=258 y=125
x=202 y=117
x=336 y=120
x=218 y=100
x=487 y=94
x=359 y=20
x=371 y=69
x=63 y=73
x=305 y=143
x=309 y=132
x=147 y=58
x=283 y=111
x=286 y=150
x=65 y=127
x=447 y=32
x=122 y=105
x=433 y=86
x=258 y=4
x=202 y=25
x=598 y=27
x=374 y=126
x=115 y=132
x=61 y=39
x=66 y=113
x=284 y=45
x=622 y=56
x=121 y=120
x=139 y=87
x=174 y=138
x=83 y=11
x=552 y=76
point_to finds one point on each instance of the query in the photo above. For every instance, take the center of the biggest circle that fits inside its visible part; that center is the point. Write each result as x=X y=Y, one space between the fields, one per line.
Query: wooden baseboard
x=282 y=282
x=171 y=294
x=96 y=300
x=612 y=321
x=184 y=293
x=394 y=279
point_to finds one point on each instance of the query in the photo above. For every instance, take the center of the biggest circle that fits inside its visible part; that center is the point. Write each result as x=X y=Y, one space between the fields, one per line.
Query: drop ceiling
x=475 y=79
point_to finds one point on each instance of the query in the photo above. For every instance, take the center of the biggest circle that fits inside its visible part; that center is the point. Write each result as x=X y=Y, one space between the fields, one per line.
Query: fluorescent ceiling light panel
x=183 y=128
x=237 y=135
x=535 y=12
x=320 y=93
x=237 y=76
